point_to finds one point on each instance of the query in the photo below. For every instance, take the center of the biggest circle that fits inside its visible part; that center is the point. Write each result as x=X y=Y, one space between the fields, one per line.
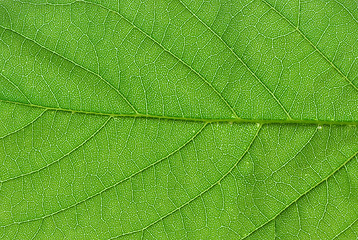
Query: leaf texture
x=178 y=119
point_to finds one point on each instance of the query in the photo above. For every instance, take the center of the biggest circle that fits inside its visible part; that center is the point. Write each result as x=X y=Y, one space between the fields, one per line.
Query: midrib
x=206 y=120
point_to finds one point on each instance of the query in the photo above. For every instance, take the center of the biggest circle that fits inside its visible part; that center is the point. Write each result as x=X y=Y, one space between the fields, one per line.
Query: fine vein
x=303 y=194
x=117 y=183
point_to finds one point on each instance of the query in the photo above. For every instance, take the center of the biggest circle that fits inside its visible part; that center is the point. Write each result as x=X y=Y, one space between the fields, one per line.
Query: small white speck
x=319 y=127
x=193 y=131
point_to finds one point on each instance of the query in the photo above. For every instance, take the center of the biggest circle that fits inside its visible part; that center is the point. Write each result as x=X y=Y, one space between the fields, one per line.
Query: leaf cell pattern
x=178 y=119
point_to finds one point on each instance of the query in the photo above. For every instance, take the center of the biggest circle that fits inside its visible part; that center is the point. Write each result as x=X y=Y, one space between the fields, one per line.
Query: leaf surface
x=178 y=119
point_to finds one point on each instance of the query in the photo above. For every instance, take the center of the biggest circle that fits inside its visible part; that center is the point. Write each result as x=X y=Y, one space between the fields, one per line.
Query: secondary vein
x=72 y=62
x=303 y=194
x=117 y=183
x=240 y=60
x=312 y=44
x=204 y=191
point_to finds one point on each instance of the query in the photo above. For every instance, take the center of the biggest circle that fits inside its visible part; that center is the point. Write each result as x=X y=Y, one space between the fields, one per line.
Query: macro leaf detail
x=178 y=119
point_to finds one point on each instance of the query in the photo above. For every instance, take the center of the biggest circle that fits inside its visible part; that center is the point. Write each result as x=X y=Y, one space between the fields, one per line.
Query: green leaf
x=178 y=119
